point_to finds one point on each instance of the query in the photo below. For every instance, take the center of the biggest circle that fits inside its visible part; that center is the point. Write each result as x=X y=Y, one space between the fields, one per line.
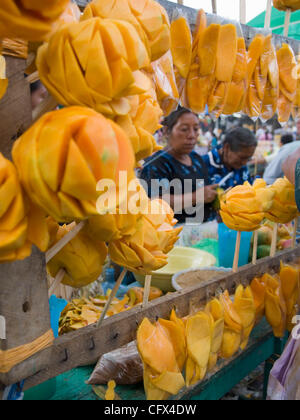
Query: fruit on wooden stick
x=61 y=175
x=148 y=17
x=146 y=250
x=82 y=259
x=31 y=20
x=142 y=122
x=286 y=4
x=242 y=209
x=284 y=208
x=104 y=59
x=264 y=194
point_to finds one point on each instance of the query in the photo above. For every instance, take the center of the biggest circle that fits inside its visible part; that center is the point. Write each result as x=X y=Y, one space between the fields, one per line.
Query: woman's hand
x=210 y=193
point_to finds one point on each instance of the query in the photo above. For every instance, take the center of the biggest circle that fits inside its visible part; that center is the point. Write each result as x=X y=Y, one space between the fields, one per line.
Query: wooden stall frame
x=87 y=345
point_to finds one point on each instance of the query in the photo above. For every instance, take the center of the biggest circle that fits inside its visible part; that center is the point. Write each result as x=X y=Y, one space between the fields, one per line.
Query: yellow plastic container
x=179 y=259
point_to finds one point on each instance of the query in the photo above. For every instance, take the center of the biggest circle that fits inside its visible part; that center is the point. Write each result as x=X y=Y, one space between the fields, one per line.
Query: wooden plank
x=23 y=297
x=85 y=346
x=24 y=304
x=15 y=106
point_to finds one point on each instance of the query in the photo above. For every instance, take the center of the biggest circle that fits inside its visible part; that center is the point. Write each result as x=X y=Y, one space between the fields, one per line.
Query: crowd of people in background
x=224 y=154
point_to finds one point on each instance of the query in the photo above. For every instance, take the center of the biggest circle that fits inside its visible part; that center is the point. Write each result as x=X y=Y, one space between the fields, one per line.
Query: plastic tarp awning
x=277 y=23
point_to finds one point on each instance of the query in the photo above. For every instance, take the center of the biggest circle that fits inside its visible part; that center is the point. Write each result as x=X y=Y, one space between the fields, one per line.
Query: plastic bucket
x=227 y=241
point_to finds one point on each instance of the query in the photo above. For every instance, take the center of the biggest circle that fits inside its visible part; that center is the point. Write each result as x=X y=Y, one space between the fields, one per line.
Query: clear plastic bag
x=271 y=94
x=219 y=68
x=164 y=79
x=261 y=68
x=296 y=106
x=123 y=365
x=287 y=65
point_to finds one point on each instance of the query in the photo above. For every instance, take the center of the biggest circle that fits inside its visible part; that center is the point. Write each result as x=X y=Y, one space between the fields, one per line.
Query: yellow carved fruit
x=199 y=339
x=181 y=45
x=101 y=75
x=148 y=17
x=31 y=20
x=82 y=259
x=284 y=208
x=216 y=311
x=233 y=328
x=245 y=307
x=242 y=209
x=61 y=176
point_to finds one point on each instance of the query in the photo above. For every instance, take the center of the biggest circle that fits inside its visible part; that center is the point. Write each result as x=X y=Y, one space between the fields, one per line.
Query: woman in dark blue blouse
x=178 y=161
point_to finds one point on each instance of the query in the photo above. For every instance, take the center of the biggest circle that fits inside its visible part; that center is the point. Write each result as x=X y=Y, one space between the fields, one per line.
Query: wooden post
x=268 y=14
x=180 y=2
x=24 y=292
x=243 y=11
x=287 y=22
x=274 y=240
x=294 y=237
x=147 y=287
x=237 y=252
x=111 y=297
x=255 y=240
x=214 y=6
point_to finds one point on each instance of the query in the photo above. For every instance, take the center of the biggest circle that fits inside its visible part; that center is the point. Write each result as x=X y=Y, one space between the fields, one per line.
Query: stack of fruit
x=286 y=4
x=242 y=208
x=221 y=329
x=29 y=19
x=288 y=82
x=82 y=312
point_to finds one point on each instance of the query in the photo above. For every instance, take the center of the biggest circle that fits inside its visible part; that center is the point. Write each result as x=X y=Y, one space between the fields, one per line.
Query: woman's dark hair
x=171 y=120
x=35 y=86
x=240 y=137
x=287 y=138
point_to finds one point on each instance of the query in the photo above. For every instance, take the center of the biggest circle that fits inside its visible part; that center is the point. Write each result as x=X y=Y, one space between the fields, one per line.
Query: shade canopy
x=277 y=23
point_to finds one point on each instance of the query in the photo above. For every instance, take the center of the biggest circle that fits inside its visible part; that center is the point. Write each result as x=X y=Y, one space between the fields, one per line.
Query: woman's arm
x=177 y=201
